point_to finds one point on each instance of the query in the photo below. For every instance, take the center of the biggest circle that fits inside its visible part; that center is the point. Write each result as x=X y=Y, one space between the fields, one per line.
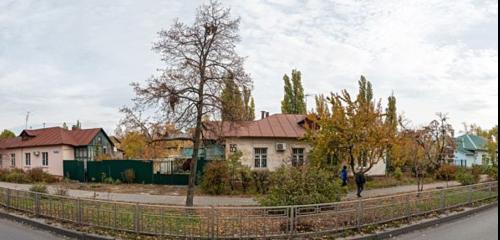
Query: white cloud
x=437 y=56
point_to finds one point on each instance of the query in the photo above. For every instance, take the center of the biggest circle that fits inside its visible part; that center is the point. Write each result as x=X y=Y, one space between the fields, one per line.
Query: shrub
x=261 y=180
x=398 y=174
x=302 y=185
x=38 y=175
x=491 y=171
x=446 y=172
x=128 y=175
x=246 y=178
x=216 y=178
x=17 y=176
x=3 y=173
x=40 y=188
x=476 y=172
x=234 y=165
x=108 y=180
x=464 y=177
x=35 y=174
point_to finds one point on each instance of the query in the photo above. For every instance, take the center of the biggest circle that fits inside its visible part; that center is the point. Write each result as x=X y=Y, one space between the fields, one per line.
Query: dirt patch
x=126 y=188
x=165 y=190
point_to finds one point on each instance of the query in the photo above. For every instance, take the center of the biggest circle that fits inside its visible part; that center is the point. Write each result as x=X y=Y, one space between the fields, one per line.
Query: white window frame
x=298 y=156
x=13 y=159
x=27 y=159
x=45 y=159
x=260 y=157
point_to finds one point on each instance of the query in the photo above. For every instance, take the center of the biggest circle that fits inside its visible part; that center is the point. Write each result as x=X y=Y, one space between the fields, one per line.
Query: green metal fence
x=217 y=222
x=97 y=171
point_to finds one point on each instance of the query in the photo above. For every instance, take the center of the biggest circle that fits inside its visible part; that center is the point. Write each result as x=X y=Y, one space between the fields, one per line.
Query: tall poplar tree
x=294 y=99
x=249 y=105
x=391 y=119
x=233 y=108
x=237 y=105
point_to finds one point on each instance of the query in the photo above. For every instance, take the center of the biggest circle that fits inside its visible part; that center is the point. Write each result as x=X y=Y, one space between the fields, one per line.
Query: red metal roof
x=275 y=126
x=51 y=136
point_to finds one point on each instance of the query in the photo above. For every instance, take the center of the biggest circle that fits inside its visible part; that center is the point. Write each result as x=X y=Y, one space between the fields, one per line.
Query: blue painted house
x=471 y=150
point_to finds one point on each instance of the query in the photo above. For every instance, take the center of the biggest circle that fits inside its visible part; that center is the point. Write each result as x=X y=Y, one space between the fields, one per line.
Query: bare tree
x=437 y=141
x=197 y=59
x=428 y=147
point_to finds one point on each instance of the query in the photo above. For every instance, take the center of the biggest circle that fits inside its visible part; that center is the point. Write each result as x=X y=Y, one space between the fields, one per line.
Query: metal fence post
x=469 y=197
x=490 y=189
x=37 y=204
x=8 y=197
x=359 y=214
x=136 y=218
x=292 y=220
x=409 y=211
x=442 y=200
x=115 y=218
x=79 y=211
x=212 y=223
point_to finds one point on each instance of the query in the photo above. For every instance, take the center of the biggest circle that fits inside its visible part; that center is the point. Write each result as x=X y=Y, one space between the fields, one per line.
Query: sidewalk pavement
x=145 y=198
x=212 y=200
x=400 y=189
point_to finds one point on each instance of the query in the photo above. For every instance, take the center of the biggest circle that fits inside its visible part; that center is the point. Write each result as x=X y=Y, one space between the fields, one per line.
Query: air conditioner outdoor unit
x=280 y=147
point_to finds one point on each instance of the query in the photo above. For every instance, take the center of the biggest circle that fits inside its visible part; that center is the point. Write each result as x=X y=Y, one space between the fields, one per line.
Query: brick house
x=48 y=147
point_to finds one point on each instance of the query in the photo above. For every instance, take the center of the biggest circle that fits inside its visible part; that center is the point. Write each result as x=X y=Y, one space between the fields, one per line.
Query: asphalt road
x=480 y=226
x=10 y=230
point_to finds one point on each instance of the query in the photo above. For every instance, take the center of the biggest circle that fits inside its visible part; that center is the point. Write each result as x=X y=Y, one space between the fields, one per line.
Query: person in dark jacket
x=360 y=182
x=343 y=175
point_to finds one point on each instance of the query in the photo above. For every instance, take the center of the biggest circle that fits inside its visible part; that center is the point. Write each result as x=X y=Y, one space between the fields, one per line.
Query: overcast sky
x=69 y=60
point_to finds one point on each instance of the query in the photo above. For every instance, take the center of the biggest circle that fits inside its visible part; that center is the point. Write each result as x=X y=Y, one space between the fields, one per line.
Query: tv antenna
x=27 y=117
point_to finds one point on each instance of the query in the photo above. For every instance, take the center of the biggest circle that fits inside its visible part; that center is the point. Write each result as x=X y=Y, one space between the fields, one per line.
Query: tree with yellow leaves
x=354 y=131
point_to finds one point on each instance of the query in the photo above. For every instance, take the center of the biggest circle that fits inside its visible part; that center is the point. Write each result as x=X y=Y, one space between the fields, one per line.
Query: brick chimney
x=264 y=114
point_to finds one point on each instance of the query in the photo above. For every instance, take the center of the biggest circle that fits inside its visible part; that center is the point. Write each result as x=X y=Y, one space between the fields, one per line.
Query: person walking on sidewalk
x=343 y=175
x=360 y=182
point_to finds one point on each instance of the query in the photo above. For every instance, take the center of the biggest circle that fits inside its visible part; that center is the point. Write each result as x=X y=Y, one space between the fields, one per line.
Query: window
x=81 y=153
x=297 y=157
x=260 y=157
x=27 y=159
x=463 y=163
x=45 y=159
x=13 y=159
x=1 y=159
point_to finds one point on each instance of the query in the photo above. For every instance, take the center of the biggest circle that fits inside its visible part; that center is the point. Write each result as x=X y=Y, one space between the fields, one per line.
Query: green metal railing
x=245 y=222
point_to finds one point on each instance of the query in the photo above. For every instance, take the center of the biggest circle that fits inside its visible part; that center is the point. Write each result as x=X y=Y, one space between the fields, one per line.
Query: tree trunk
x=194 y=158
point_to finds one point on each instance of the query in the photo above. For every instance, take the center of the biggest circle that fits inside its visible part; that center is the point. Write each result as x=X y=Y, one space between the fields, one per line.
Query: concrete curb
x=423 y=225
x=51 y=228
